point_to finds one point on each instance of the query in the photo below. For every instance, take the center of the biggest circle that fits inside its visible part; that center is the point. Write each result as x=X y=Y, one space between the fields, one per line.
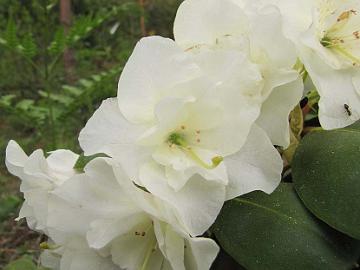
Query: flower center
x=343 y=36
x=179 y=139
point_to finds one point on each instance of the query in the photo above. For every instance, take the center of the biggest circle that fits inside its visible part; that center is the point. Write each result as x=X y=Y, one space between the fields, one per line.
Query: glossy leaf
x=277 y=232
x=326 y=173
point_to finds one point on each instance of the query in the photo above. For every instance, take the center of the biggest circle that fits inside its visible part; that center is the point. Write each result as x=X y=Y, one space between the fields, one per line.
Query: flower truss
x=194 y=124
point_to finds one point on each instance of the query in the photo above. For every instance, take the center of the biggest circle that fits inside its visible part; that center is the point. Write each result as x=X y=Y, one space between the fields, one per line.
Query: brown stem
x=142 y=18
x=68 y=56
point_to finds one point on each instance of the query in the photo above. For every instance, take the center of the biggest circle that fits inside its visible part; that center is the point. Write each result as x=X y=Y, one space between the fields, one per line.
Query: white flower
x=218 y=25
x=39 y=176
x=326 y=34
x=177 y=120
x=331 y=55
x=75 y=254
x=138 y=230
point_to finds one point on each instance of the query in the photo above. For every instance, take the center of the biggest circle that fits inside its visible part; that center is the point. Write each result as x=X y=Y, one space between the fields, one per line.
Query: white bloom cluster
x=193 y=125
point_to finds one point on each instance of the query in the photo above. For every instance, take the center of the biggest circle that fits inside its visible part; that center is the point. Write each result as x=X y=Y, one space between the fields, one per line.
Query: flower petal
x=196 y=205
x=171 y=243
x=204 y=21
x=110 y=133
x=15 y=159
x=155 y=67
x=274 y=117
x=266 y=27
x=257 y=166
x=200 y=253
x=62 y=163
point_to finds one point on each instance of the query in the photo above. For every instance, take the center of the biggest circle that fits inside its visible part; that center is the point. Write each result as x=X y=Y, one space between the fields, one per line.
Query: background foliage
x=46 y=98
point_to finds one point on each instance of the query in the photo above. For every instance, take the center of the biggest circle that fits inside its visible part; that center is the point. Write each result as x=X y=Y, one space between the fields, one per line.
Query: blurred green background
x=59 y=60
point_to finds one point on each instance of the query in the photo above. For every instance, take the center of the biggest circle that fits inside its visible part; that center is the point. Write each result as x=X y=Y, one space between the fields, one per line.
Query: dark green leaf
x=24 y=263
x=11 y=34
x=326 y=173
x=57 y=46
x=225 y=261
x=29 y=48
x=277 y=232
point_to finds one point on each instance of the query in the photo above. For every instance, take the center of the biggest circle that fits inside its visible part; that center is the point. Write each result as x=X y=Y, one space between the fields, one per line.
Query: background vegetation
x=57 y=65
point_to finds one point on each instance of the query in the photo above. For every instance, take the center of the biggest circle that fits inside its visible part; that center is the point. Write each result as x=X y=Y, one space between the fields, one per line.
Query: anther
x=44 y=245
x=345 y=15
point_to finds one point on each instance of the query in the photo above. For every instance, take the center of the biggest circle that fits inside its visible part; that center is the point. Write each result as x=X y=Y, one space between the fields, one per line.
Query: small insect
x=347 y=109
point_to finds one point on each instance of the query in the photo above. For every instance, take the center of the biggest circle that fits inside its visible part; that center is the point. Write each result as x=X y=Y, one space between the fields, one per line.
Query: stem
x=142 y=18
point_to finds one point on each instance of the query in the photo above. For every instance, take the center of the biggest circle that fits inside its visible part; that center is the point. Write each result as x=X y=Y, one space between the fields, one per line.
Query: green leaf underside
x=326 y=173
x=84 y=160
x=277 y=232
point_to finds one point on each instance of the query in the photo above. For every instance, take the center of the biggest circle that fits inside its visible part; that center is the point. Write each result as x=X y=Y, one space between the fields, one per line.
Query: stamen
x=345 y=15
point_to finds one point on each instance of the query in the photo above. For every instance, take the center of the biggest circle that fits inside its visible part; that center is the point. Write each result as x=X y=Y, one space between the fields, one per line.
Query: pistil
x=151 y=249
x=179 y=140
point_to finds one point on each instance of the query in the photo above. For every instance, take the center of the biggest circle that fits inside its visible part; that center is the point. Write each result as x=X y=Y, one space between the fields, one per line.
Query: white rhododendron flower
x=137 y=229
x=179 y=124
x=217 y=25
x=39 y=176
x=331 y=54
x=326 y=34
